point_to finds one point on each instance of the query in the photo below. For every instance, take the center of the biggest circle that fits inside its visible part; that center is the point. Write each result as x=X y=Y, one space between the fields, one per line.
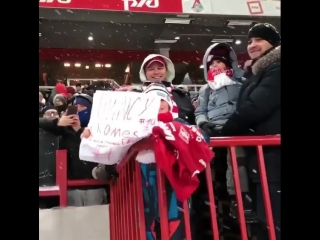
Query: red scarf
x=216 y=71
x=180 y=163
x=165 y=117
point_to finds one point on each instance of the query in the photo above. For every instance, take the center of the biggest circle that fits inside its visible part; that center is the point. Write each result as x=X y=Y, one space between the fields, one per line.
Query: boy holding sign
x=148 y=170
x=149 y=178
x=179 y=138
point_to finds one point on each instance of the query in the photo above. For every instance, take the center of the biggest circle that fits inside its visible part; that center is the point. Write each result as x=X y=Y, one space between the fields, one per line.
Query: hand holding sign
x=116 y=124
x=86 y=133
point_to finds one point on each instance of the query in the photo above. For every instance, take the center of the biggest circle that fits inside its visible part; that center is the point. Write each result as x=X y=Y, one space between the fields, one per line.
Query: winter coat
x=77 y=169
x=216 y=106
x=259 y=112
x=185 y=107
x=170 y=76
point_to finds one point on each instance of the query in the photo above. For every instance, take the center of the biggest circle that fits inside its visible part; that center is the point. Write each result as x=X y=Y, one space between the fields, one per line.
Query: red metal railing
x=126 y=208
x=62 y=183
x=127 y=220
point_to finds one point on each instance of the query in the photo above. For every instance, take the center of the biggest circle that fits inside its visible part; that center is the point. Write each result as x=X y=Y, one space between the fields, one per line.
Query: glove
x=104 y=172
x=207 y=127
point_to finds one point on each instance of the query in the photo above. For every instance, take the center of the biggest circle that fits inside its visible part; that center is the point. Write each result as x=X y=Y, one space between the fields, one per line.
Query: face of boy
x=217 y=64
x=164 y=107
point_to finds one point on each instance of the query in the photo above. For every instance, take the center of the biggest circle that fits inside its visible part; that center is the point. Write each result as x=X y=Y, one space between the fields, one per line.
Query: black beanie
x=46 y=108
x=223 y=59
x=267 y=32
x=221 y=53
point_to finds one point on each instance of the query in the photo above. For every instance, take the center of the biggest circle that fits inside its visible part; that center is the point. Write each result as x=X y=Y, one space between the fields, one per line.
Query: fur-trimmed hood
x=265 y=61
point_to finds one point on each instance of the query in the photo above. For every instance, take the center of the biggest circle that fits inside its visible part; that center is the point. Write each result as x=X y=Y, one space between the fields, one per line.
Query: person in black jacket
x=48 y=144
x=182 y=98
x=70 y=128
x=258 y=113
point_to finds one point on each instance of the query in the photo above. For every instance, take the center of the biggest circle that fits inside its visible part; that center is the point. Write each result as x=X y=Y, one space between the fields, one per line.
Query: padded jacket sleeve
x=50 y=125
x=79 y=132
x=202 y=109
x=261 y=103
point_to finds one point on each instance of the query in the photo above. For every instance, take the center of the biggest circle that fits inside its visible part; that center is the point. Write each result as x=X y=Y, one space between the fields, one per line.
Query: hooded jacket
x=169 y=66
x=84 y=115
x=170 y=77
x=216 y=106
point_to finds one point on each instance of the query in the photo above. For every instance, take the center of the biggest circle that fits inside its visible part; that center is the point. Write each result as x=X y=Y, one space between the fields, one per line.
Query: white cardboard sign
x=118 y=120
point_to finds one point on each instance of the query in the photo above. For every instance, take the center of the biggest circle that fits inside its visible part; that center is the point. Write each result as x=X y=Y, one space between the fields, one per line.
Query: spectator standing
x=48 y=144
x=217 y=101
x=258 y=113
x=158 y=68
x=60 y=103
x=60 y=88
x=70 y=128
x=78 y=88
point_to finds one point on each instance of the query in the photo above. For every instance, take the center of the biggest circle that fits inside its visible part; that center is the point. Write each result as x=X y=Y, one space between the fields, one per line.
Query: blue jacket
x=216 y=106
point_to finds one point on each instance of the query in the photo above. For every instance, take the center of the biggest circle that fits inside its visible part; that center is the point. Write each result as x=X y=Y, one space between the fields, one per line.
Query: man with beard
x=258 y=113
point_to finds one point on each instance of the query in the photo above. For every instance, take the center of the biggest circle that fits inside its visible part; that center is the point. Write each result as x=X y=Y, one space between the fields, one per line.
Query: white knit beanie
x=161 y=91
